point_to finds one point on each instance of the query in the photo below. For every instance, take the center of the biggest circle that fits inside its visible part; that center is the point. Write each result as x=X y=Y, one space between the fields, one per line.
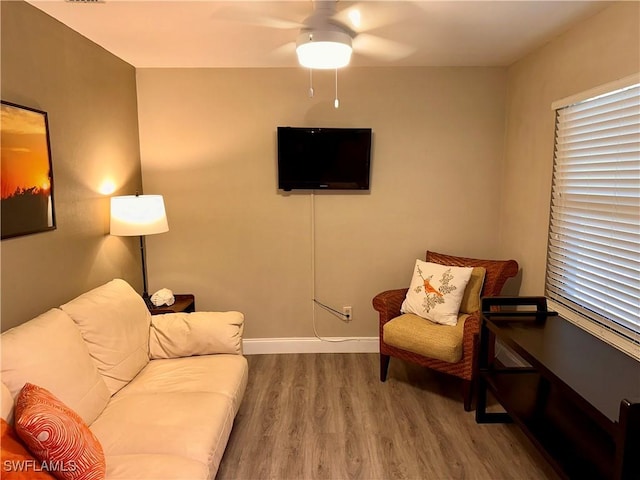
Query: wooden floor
x=328 y=416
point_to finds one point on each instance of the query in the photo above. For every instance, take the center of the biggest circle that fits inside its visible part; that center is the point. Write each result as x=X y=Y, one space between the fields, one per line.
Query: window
x=593 y=256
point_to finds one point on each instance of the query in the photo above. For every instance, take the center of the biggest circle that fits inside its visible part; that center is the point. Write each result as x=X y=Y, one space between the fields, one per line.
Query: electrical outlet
x=347 y=313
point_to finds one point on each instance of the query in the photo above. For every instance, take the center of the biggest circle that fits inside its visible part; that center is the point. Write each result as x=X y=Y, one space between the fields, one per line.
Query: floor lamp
x=138 y=215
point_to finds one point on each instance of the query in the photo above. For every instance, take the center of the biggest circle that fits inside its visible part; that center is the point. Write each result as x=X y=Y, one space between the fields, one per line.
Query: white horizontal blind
x=593 y=258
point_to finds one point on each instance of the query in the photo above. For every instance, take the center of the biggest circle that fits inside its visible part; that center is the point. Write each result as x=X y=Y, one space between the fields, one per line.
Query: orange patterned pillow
x=57 y=436
x=17 y=462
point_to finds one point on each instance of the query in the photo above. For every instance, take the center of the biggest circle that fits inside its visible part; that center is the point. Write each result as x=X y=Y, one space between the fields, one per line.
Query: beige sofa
x=160 y=393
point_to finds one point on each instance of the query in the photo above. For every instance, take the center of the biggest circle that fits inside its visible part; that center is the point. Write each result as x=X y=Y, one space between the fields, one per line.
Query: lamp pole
x=145 y=293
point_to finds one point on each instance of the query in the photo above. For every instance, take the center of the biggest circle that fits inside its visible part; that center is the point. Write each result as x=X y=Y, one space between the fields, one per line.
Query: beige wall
x=599 y=50
x=90 y=98
x=208 y=144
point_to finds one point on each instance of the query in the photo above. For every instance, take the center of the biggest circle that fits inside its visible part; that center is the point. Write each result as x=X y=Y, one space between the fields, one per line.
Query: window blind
x=593 y=257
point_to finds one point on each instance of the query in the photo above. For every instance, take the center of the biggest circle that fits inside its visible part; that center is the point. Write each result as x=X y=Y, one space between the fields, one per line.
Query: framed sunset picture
x=26 y=197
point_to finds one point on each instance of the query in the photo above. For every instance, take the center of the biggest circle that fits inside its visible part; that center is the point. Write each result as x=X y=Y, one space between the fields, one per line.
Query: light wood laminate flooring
x=328 y=416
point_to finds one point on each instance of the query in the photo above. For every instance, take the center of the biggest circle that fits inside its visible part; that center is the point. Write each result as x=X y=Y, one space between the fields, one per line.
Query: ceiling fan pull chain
x=311 y=83
x=336 y=102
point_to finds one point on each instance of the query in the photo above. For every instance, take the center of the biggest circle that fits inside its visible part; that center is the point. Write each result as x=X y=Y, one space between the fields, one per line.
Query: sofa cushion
x=17 y=462
x=49 y=351
x=192 y=425
x=157 y=467
x=418 y=335
x=56 y=435
x=223 y=374
x=175 y=335
x=6 y=404
x=114 y=322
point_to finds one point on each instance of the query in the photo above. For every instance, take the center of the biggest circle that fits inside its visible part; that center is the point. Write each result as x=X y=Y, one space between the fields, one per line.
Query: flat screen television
x=324 y=158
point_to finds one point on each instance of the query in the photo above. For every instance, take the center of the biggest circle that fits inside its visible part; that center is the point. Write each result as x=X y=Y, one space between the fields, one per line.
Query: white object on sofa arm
x=176 y=335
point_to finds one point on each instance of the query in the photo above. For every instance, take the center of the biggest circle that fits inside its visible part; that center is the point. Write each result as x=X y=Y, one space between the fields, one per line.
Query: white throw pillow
x=175 y=335
x=436 y=292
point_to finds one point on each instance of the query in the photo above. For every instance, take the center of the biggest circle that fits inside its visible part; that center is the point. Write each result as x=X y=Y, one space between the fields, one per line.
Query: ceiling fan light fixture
x=324 y=50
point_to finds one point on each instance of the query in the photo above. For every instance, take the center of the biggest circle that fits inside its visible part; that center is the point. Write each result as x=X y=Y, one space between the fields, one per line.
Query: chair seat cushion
x=424 y=337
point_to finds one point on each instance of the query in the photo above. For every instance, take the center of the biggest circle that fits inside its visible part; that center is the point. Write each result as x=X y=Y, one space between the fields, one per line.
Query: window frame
x=584 y=318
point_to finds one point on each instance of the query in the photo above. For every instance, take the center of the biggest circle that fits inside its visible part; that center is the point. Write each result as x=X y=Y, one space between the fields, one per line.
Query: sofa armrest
x=176 y=335
x=388 y=304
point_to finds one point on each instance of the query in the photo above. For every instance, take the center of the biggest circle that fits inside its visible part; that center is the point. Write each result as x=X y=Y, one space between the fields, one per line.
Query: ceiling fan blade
x=284 y=52
x=368 y=16
x=381 y=48
x=280 y=23
x=242 y=12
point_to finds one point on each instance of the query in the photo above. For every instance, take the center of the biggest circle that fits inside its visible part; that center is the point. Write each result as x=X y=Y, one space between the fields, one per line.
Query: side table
x=184 y=303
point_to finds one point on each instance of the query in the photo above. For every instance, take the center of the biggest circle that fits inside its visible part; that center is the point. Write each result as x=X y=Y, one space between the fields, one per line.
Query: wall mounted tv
x=324 y=158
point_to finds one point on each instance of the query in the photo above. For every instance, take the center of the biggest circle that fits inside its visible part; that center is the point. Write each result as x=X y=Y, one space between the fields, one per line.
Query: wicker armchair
x=388 y=305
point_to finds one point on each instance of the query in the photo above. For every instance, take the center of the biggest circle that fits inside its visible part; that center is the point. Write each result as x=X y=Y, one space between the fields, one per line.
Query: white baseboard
x=257 y=346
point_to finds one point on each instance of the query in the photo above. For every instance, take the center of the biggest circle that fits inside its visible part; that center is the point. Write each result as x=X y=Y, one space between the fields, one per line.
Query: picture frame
x=26 y=190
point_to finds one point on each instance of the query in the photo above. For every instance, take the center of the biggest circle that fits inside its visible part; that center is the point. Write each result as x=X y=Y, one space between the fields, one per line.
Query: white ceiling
x=148 y=33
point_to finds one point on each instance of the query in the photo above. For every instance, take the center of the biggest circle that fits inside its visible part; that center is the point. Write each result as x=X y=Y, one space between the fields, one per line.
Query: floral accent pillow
x=436 y=292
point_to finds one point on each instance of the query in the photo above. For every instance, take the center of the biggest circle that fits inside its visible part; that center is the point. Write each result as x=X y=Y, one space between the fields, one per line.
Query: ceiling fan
x=323 y=41
x=328 y=36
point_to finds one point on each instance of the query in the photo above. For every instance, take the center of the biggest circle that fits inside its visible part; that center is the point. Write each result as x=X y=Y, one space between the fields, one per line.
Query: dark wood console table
x=578 y=402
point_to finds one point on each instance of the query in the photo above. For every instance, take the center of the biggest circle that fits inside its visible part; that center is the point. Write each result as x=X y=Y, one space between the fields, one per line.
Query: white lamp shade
x=138 y=215
x=324 y=49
